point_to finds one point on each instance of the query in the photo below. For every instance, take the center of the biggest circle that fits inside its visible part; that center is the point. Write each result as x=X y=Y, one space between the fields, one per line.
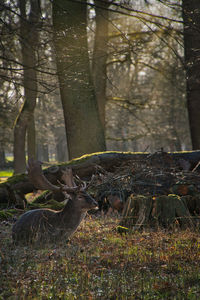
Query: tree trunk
x=191 y=21
x=61 y=149
x=29 y=41
x=43 y=152
x=2 y=156
x=31 y=139
x=83 y=127
x=162 y=211
x=100 y=55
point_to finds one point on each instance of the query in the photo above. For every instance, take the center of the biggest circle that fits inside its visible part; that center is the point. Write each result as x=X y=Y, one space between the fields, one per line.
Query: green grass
x=6 y=173
x=9 y=158
x=99 y=263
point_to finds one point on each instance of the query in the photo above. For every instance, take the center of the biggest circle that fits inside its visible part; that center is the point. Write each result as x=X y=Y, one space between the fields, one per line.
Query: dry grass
x=99 y=263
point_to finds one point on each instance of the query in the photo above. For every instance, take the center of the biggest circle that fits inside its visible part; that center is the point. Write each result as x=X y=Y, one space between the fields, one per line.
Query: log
x=18 y=186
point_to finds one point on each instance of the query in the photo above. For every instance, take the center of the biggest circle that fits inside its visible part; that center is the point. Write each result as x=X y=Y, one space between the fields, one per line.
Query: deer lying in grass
x=43 y=225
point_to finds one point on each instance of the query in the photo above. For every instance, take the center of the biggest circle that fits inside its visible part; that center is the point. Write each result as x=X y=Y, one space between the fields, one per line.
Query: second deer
x=43 y=225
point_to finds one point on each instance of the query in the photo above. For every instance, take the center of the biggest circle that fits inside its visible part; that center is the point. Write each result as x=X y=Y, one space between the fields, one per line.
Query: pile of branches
x=156 y=189
x=158 y=174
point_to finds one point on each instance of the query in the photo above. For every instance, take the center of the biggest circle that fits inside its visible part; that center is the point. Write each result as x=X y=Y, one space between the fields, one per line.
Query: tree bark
x=31 y=138
x=43 y=152
x=100 y=55
x=2 y=156
x=165 y=211
x=83 y=127
x=29 y=41
x=191 y=21
x=61 y=149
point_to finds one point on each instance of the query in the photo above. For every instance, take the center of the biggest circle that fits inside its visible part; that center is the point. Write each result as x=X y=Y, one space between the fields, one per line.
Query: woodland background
x=85 y=76
x=81 y=76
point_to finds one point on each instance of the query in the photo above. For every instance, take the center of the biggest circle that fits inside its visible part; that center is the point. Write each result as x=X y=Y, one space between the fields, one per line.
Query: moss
x=188 y=151
x=85 y=157
x=52 y=204
x=41 y=198
x=7 y=214
x=122 y=229
x=17 y=178
x=173 y=197
x=82 y=158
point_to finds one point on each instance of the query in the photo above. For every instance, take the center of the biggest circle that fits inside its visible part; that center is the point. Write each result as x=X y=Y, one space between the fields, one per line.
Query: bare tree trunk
x=31 y=139
x=61 y=149
x=43 y=152
x=2 y=156
x=29 y=41
x=100 y=55
x=191 y=19
x=83 y=127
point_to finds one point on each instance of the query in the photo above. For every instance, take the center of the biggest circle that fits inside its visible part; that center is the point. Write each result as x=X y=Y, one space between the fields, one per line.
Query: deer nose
x=96 y=205
x=93 y=202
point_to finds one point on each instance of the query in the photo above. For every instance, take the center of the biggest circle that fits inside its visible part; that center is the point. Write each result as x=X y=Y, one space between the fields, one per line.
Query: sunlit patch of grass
x=99 y=263
x=9 y=158
x=4 y=174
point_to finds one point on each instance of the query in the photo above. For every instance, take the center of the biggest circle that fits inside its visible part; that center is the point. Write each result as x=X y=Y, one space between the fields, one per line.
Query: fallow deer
x=43 y=225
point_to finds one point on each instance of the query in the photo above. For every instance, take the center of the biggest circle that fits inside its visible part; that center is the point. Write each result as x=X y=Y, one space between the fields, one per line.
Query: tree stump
x=165 y=211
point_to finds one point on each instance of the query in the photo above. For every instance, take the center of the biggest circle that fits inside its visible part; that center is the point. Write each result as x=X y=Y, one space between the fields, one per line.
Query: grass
x=6 y=173
x=99 y=263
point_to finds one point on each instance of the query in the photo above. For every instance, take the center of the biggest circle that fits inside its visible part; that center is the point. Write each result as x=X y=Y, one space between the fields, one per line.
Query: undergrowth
x=99 y=263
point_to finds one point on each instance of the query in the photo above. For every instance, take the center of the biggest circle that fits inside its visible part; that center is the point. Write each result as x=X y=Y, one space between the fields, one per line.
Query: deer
x=47 y=225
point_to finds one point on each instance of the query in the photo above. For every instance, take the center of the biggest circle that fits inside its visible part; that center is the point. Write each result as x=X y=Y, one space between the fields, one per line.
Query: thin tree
x=29 y=41
x=100 y=55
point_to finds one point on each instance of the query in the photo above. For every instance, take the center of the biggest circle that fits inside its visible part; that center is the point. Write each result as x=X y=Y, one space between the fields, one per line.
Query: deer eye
x=80 y=197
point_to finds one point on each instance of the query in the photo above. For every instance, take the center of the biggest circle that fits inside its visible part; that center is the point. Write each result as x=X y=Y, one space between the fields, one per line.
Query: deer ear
x=67 y=197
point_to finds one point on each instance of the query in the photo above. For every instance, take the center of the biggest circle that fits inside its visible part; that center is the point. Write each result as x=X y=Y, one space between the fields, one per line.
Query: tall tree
x=100 y=55
x=191 y=19
x=29 y=41
x=83 y=127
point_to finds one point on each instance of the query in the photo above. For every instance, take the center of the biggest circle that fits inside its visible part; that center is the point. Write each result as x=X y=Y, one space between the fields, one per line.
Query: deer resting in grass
x=43 y=225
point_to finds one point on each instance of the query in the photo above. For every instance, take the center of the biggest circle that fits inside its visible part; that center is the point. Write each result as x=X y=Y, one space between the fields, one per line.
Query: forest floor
x=99 y=263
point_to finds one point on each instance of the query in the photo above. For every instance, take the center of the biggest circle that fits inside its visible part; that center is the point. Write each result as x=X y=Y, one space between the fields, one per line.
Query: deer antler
x=82 y=184
x=36 y=176
x=70 y=185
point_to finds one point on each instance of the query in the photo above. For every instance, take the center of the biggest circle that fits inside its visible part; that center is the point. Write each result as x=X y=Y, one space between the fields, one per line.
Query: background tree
x=83 y=128
x=145 y=80
x=141 y=76
x=29 y=44
x=191 y=21
x=51 y=140
x=100 y=55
